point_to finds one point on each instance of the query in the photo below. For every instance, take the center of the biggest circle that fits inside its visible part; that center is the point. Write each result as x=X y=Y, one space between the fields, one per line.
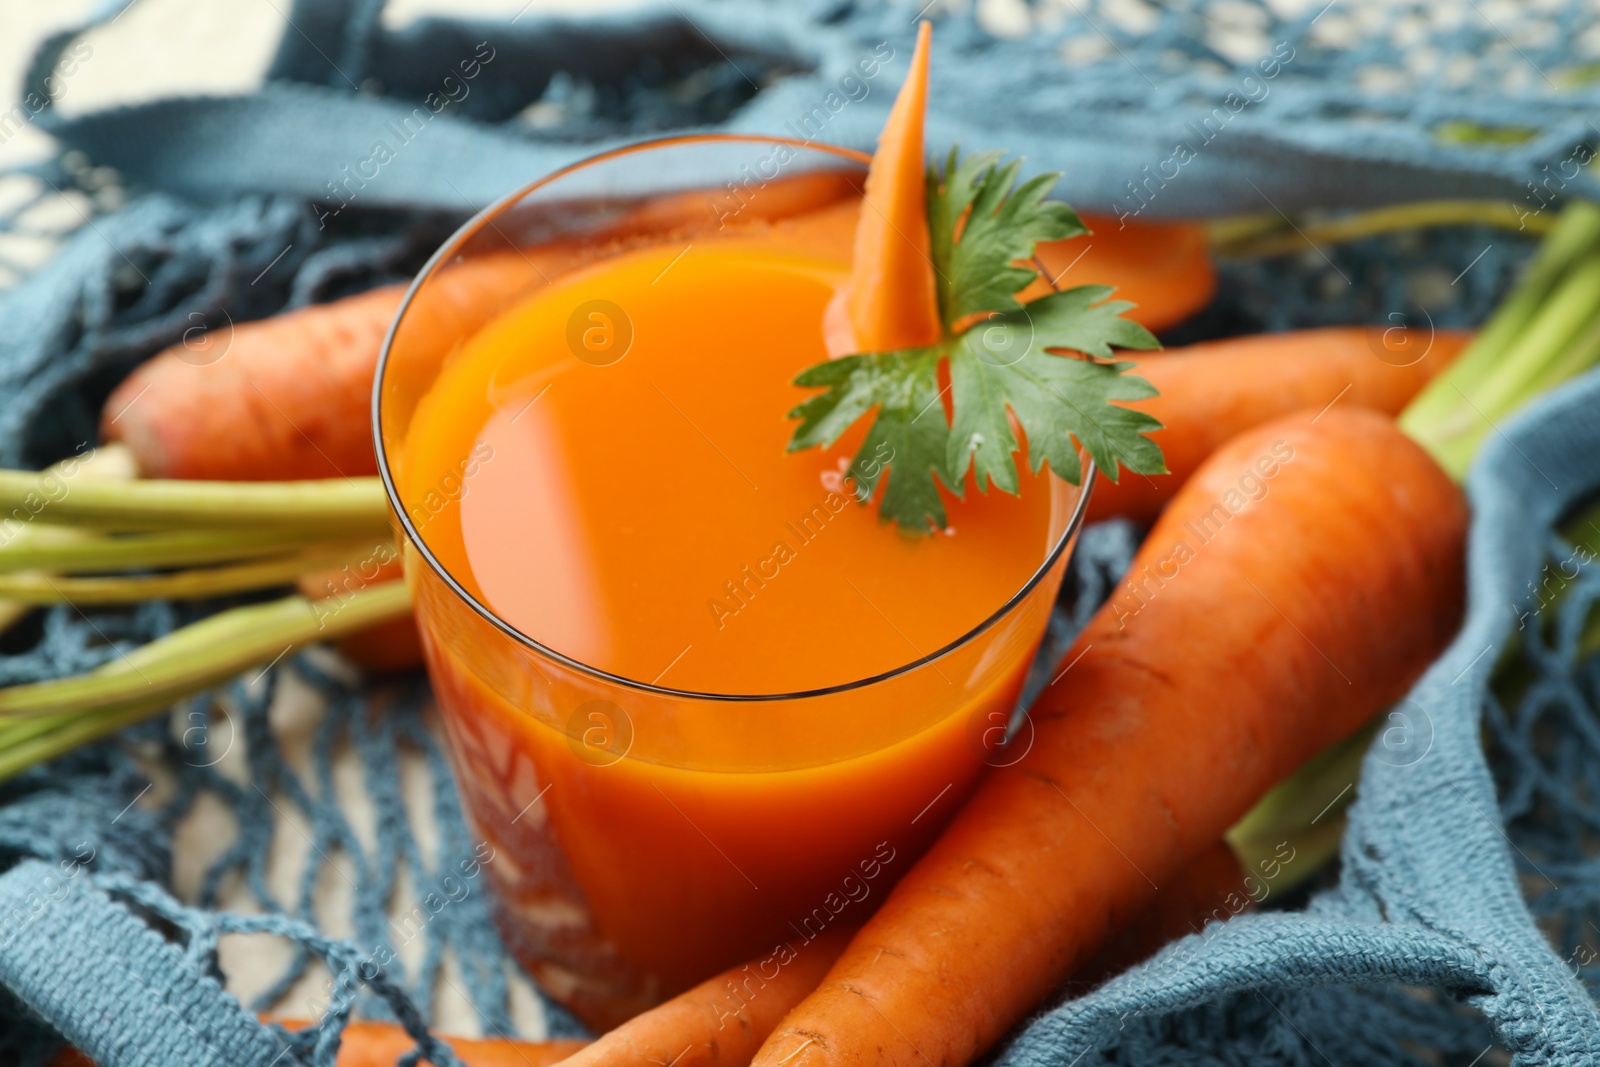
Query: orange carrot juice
x=705 y=701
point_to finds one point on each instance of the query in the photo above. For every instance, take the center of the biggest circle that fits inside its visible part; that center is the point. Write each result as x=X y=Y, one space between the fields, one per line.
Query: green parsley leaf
x=910 y=432
x=979 y=228
x=1080 y=319
x=1002 y=367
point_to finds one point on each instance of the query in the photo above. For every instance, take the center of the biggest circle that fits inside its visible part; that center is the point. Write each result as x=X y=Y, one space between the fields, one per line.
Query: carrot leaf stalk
x=1545 y=332
x=193 y=583
x=333 y=506
x=71 y=549
x=1271 y=234
x=41 y=720
x=1005 y=359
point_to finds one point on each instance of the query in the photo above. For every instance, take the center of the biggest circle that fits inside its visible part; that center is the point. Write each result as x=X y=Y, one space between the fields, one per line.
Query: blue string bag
x=1463 y=919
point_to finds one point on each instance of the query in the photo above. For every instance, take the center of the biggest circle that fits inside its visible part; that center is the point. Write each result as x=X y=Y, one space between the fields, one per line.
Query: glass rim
x=471 y=228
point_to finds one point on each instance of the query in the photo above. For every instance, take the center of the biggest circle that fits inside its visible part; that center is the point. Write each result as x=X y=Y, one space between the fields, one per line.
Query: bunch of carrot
x=1304 y=575
x=1305 y=560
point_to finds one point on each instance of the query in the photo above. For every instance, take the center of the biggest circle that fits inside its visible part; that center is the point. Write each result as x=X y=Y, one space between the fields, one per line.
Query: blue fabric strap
x=112 y=986
x=310 y=129
x=1264 y=956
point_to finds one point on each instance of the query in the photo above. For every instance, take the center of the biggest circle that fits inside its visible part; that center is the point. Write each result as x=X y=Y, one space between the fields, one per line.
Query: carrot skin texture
x=893 y=304
x=1164 y=268
x=272 y=404
x=1213 y=390
x=722 y=1021
x=1273 y=639
x=289 y=397
x=1210 y=886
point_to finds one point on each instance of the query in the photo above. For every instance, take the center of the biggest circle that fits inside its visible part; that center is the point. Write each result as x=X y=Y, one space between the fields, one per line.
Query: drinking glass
x=638 y=838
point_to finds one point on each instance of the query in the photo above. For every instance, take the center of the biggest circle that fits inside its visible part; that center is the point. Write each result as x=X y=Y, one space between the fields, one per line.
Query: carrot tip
x=893 y=303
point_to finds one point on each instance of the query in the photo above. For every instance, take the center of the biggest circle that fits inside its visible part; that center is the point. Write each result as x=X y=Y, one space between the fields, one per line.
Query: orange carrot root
x=892 y=301
x=261 y=401
x=723 y=1020
x=1210 y=886
x=1255 y=628
x=1214 y=390
x=1164 y=268
x=289 y=397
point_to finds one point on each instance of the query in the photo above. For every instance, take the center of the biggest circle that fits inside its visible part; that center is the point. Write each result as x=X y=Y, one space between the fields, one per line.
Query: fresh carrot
x=892 y=300
x=285 y=398
x=1163 y=268
x=1212 y=886
x=723 y=1020
x=1213 y=390
x=1249 y=636
x=271 y=403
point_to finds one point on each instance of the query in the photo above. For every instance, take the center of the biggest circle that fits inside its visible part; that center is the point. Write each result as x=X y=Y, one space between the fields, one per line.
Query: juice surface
x=644 y=517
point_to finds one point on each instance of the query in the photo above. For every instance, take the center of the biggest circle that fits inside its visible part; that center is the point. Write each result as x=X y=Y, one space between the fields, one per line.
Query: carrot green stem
x=1554 y=333
x=201 y=655
x=68 y=732
x=1581 y=353
x=1312 y=845
x=39 y=588
x=113 y=462
x=1575 y=233
x=41 y=721
x=44 y=720
x=1267 y=234
x=70 y=549
x=1541 y=335
x=334 y=506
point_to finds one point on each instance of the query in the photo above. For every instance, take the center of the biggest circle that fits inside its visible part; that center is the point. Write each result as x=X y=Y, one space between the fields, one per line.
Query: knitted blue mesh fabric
x=1426 y=950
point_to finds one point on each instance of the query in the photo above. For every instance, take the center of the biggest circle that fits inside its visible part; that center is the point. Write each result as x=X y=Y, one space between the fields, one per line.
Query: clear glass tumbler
x=645 y=837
